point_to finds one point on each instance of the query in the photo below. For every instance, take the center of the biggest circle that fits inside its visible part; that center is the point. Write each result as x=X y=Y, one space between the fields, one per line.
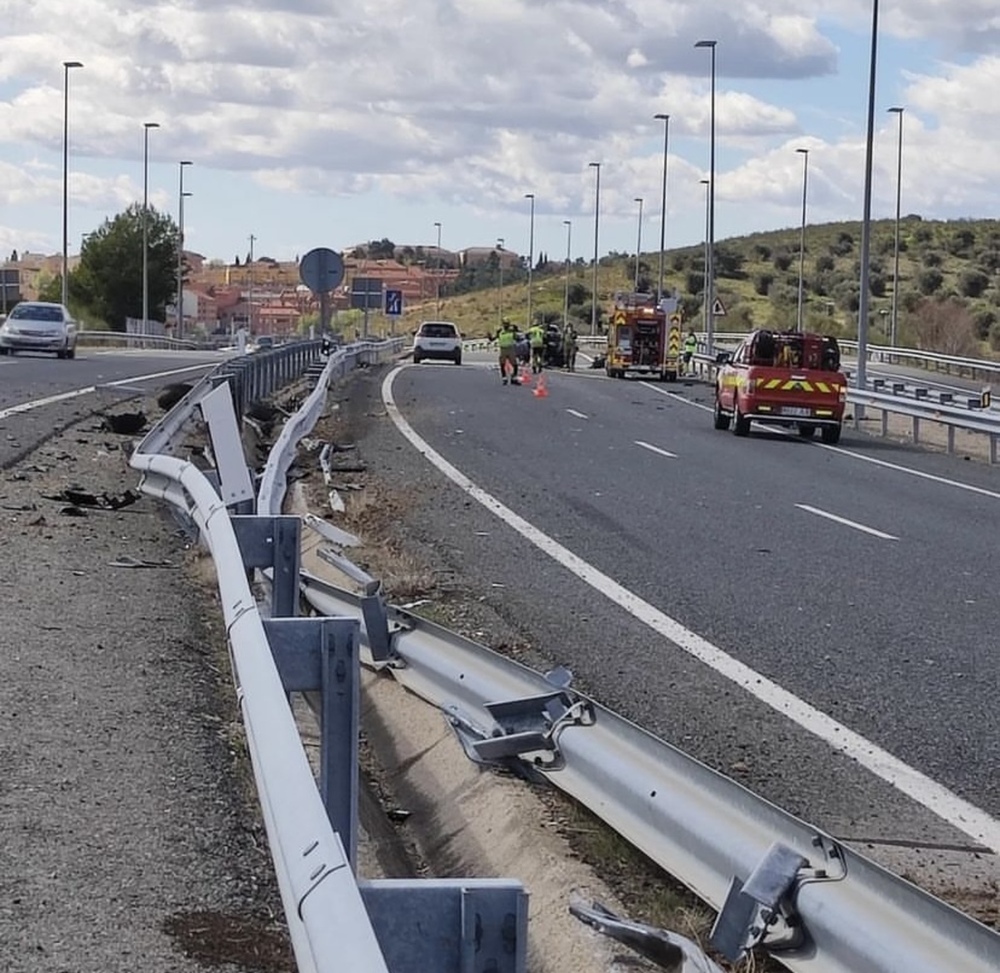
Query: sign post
x=322 y=271
x=366 y=295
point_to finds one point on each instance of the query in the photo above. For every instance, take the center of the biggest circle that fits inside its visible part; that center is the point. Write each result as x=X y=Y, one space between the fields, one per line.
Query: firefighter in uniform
x=506 y=340
x=690 y=347
x=536 y=335
x=569 y=348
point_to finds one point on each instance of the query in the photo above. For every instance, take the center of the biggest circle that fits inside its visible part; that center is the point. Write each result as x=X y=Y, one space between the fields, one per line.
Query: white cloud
x=473 y=102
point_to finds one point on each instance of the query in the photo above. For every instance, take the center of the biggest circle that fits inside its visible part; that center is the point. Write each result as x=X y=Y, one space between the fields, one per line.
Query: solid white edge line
x=947 y=805
x=63 y=396
x=655 y=449
x=846 y=522
x=885 y=464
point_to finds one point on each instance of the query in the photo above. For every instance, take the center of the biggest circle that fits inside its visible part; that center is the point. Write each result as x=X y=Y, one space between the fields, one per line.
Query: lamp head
x=72 y=64
x=706 y=43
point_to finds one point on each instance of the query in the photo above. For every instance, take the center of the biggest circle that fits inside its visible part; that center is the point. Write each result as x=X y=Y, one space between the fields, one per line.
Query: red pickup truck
x=787 y=378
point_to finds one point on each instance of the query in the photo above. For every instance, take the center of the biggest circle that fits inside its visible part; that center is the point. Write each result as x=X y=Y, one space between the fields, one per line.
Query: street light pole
x=180 y=247
x=710 y=263
x=638 y=245
x=663 y=206
x=802 y=234
x=866 y=218
x=437 y=276
x=569 y=237
x=596 y=166
x=500 y=288
x=531 y=249
x=67 y=65
x=704 y=286
x=146 y=126
x=895 y=260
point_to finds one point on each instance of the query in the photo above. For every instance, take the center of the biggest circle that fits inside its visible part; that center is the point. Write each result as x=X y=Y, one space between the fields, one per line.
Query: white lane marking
x=885 y=464
x=959 y=813
x=63 y=396
x=846 y=522
x=579 y=415
x=655 y=449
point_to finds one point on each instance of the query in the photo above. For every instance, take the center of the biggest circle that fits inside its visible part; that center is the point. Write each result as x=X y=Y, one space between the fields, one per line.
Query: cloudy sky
x=330 y=122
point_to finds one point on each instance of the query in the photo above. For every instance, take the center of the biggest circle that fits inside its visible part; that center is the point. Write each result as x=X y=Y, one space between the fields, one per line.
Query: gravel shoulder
x=130 y=835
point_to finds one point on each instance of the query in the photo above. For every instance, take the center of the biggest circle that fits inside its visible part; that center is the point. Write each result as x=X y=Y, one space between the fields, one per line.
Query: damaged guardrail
x=777 y=881
x=335 y=921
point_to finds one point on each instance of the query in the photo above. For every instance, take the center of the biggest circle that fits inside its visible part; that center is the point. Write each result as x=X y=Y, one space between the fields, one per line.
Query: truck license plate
x=796 y=410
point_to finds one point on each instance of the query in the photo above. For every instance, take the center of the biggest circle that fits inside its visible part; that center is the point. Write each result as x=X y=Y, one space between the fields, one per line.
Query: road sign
x=619 y=318
x=366 y=293
x=718 y=308
x=321 y=270
x=393 y=303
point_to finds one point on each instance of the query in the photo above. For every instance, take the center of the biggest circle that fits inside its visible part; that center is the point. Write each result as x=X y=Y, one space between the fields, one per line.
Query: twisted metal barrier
x=336 y=922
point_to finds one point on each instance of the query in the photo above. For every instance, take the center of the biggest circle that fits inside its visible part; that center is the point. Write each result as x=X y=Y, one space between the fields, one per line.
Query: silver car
x=39 y=326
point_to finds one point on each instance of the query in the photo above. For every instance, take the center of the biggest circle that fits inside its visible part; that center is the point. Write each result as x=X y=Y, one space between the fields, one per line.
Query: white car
x=437 y=339
x=39 y=326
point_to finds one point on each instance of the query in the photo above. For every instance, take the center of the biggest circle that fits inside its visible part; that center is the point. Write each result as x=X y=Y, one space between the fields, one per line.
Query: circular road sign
x=321 y=270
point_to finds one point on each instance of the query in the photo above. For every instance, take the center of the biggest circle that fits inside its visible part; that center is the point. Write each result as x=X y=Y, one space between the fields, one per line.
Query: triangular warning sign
x=718 y=308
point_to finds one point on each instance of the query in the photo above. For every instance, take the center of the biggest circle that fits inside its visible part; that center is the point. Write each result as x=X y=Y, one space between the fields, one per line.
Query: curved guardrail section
x=335 y=921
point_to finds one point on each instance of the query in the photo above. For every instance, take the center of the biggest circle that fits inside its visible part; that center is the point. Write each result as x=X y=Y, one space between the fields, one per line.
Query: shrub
x=929 y=281
x=762 y=283
x=973 y=283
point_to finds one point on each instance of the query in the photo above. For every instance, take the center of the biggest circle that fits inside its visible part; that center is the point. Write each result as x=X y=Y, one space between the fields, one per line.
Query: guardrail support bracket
x=273 y=542
x=449 y=925
x=523 y=726
x=321 y=655
x=762 y=910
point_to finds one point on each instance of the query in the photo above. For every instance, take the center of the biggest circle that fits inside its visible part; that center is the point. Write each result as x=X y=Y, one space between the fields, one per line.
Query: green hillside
x=949 y=289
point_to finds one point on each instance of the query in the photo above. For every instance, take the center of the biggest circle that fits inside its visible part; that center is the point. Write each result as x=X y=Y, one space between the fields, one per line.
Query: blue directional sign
x=393 y=303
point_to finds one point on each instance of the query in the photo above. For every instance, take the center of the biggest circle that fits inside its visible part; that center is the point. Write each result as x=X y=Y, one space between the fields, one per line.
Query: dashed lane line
x=950 y=807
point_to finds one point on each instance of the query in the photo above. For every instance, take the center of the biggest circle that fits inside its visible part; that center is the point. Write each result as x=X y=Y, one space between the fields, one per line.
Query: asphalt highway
x=41 y=394
x=860 y=578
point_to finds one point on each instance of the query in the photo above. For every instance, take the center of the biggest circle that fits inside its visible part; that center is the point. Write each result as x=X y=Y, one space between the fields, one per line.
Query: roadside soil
x=132 y=838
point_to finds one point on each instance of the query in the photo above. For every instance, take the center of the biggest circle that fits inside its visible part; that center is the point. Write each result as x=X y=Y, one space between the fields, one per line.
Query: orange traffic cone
x=541 y=389
x=525 y=378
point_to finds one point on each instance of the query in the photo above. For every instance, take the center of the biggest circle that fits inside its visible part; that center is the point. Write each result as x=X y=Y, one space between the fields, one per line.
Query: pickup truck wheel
x=807 y=430
x=741 y=423
x=721 y=418
x=831 y=435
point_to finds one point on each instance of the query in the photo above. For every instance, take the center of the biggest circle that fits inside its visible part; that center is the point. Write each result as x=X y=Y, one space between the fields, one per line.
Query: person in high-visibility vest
x=506 y=339
x=690 y=347
x=536 y=335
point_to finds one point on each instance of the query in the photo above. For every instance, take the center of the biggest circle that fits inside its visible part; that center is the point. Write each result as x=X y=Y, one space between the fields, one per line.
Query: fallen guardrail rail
x=777 y=881
x=335 y=921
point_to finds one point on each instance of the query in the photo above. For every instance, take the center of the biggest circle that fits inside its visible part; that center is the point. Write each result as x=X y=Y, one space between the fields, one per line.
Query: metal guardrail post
x=320 y=655
x=273 y=542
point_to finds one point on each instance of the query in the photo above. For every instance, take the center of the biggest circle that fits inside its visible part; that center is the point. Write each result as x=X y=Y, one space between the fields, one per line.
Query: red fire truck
x=644 y=338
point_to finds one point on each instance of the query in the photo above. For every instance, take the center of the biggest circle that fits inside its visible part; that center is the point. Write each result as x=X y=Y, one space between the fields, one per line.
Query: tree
x=578 y=294
x=108 y=279
x=13 y=256
x=973 y=283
